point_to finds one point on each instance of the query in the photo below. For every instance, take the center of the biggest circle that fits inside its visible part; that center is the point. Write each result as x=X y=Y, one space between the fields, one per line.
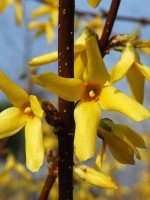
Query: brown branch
x=53 y=118
x=143 y=21
x=66 y=69
x=109 y=25
x=51 y=177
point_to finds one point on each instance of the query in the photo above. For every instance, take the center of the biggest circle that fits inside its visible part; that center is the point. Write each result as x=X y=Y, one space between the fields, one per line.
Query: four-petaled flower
x=92 y=93
x=26 y=112
x=130 y=66
x=121 y=140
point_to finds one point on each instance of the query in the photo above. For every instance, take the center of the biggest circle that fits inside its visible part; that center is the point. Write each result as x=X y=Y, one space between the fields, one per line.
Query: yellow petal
x=49 y=32
x=16 y=95
x=87 y=116
x=5 y=4
x=119 y=149
x=120 y=69
x=144 y=70
x=69 y=89
x=36 y=107
x=44 y=59
x=34 y=144
x=42 y=10
x=136 y=87
x=93 y=3
x=52 y=57
x=99 y=158
x=135 y=138
x=117 y=132
x=11 y=121
x=19 y=11
x=96 y=69
x=78 y=48
x=113 y=99
x=94 y=177
x=34 y=25
x=80 y=63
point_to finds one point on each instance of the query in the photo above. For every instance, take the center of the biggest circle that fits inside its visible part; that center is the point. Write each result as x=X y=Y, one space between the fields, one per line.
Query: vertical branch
x=109 y=25
x=66 y=69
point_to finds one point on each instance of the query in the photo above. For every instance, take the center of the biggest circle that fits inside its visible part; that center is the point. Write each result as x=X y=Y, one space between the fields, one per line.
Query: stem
x=66 y=69
x=143 y=21
x=50 y=178
x=109 y=25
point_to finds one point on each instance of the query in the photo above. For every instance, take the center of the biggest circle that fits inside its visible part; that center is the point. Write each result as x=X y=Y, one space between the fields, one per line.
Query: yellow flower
x=92 y=93
x=96 y=24
x=130 y=66
x=41 y=28
x=94 y=177
x=26 y=112
x=18 y=8
x=47 y=27
x=79 y=54
x=12 y=164
x=121 y=140
x=93 y=3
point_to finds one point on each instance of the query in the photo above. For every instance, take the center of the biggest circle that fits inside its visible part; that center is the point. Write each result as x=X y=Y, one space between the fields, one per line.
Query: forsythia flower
x=26 y=112
x=92 y=92
x=121 y=140
x=93 y=3
x=47 y=27
x=94 y=177
x=79 y=54
x=130 y=66
x=18 y=8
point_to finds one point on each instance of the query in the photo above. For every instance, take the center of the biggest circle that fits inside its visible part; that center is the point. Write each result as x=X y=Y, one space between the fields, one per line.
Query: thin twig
x=109 y=25
x=50 y=179
x=103 y=13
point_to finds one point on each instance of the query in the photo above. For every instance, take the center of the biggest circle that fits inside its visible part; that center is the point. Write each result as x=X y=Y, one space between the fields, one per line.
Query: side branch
x=109 y=25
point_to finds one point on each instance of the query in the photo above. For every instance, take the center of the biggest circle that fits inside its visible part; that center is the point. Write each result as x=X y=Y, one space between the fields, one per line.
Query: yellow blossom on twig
x=121 y=140
x=94 y=177
x=131 y=66
x=27 y=112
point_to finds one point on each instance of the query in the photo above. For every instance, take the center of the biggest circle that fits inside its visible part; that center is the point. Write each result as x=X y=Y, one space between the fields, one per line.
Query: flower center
x=91 y=92
x=29 y=112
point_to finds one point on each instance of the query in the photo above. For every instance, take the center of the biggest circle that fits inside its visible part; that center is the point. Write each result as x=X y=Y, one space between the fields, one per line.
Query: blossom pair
x=92 y=92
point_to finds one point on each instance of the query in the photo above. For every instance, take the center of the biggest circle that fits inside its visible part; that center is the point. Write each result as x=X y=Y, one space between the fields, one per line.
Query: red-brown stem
x=66 y=69
x=50 y=179
x=109 y=25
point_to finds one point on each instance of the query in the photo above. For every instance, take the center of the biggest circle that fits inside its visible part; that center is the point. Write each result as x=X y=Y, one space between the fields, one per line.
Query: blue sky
x=16 y=42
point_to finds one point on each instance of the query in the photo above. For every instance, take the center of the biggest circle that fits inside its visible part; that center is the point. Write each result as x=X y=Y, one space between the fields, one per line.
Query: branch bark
x=66 y=69
x=109 y=25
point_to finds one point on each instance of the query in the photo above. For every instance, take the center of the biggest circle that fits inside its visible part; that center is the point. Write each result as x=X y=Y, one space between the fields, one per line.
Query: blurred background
x=18 y=45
